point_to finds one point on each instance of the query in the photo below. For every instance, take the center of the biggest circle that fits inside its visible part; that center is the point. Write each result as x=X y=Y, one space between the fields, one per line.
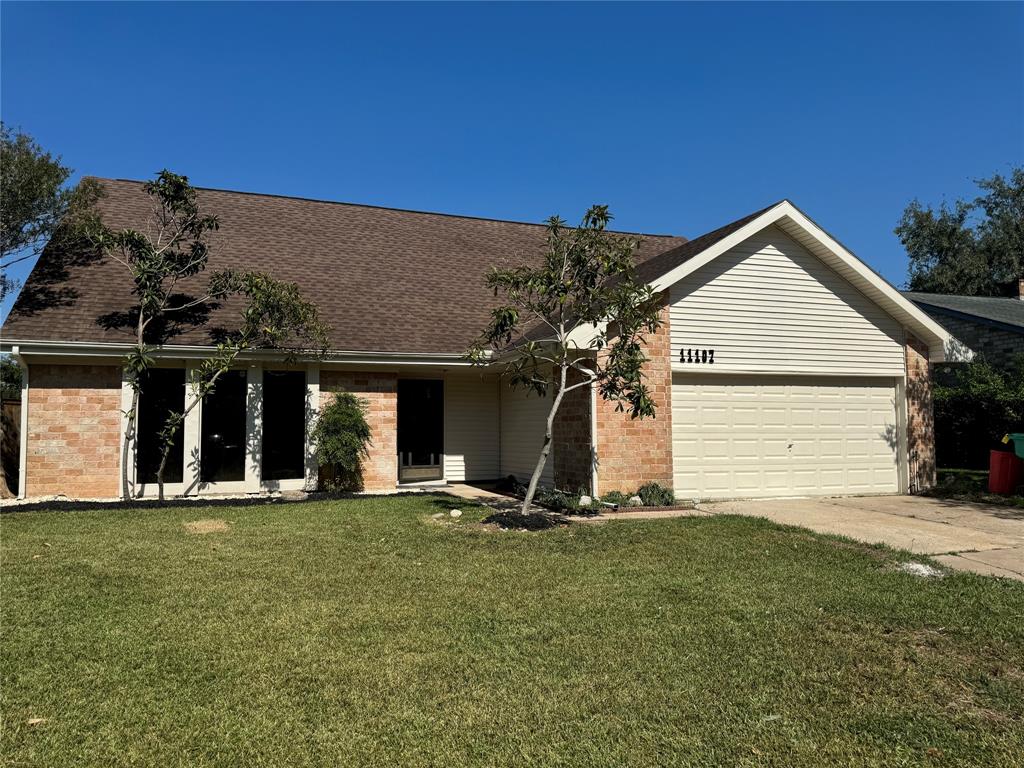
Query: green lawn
x=362 y=632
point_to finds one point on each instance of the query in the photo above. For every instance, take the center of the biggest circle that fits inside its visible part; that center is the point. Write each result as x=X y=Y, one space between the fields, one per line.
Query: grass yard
x=363 y=632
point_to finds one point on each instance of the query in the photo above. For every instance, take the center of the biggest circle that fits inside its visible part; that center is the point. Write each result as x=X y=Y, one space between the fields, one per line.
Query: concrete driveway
x=969 y=537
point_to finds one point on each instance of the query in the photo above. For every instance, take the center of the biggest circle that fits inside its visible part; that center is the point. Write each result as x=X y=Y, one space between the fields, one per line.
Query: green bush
x=655 y=495
x=560 y=501
x=972 y=414
x=342 y=436
x=10 y=378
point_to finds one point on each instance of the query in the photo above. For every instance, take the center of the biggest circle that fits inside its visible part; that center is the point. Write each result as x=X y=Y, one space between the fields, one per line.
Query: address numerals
x=700 y=356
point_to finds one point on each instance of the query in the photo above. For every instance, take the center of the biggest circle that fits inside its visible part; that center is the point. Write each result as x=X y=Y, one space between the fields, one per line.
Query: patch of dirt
x=516 y=521
x=197 y=527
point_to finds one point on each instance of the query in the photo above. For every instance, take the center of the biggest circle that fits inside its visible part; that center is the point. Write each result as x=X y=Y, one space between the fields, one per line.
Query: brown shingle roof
x=659 y=264
x=386 y=280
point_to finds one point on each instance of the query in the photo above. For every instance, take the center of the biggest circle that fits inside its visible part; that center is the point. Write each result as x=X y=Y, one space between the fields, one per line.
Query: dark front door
x=420 y=429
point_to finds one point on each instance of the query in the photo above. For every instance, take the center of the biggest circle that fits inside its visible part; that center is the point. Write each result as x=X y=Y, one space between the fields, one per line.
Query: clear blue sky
x=680 y=117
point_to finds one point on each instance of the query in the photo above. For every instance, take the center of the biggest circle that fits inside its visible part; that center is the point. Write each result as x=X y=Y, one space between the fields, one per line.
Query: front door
x=420 y=430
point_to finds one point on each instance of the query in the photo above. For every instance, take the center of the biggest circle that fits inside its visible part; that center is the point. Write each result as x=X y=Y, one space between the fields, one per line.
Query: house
x=785 y=365
x=989 y=327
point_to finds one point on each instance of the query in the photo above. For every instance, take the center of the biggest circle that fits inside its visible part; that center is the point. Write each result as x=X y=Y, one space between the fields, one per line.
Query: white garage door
x=755 y=436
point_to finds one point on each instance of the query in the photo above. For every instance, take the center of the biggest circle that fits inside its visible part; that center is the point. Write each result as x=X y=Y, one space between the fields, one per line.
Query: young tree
x=579 y=314
x=974 y=247
x=35 y=204
x=275 y=317
x=174 y=248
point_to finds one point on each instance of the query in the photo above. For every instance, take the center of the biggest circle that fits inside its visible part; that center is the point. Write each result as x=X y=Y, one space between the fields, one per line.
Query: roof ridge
x=385 y=208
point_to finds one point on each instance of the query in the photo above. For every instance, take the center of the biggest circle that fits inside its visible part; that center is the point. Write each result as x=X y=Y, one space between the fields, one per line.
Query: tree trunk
x=549 y=428
x=165 y=449
x=160 y=477
x=129 y=436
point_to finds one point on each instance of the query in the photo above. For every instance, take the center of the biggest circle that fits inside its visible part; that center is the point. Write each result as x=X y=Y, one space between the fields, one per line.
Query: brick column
x=74 y=431
x=920 y=417
x=631 y=452
x=571 y=442
x=380 y=393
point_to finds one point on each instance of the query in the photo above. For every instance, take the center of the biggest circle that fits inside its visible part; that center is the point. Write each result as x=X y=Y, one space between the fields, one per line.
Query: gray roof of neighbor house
x=385 y=280
x=1006 y=312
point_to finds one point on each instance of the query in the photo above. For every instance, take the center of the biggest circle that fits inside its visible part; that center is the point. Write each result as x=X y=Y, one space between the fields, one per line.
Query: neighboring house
x=785 y=365
x=990 y=327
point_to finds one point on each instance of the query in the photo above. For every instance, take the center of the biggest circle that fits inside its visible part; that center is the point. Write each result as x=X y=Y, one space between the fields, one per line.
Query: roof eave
x=42 y=347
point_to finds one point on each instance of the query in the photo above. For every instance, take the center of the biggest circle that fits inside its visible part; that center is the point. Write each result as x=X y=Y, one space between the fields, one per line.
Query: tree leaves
x=585 y=279
x=973 y=248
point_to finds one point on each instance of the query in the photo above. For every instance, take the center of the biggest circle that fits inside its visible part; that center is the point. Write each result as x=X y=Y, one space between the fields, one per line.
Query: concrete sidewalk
x=982 y=538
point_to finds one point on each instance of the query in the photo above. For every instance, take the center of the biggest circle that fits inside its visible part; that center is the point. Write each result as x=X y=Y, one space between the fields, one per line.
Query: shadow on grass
x=538 y=520
x=69 y=505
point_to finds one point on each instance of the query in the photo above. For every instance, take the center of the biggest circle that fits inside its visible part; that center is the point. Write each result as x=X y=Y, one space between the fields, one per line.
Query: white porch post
x=253 y=427
x=23 y=426
x=192 y=431
x=127 y=456
x=312 y=468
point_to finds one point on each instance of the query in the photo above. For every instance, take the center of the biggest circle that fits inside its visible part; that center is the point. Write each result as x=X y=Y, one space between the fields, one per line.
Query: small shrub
x=557 y=500
x=655 y=495
x=341 y=436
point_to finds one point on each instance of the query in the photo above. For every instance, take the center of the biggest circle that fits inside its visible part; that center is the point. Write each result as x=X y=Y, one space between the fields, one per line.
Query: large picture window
x=223 y=430
x=163 y=391
x=284 y=425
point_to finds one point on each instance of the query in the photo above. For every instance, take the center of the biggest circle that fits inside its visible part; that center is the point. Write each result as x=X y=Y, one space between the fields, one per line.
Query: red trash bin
x=1003 y=472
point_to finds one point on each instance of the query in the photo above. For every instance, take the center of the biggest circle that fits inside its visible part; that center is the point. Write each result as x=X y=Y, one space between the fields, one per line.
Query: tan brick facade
x=380 y=392
x=74 y=430
x=920 y=416
x=631 y=452
x=571 y=440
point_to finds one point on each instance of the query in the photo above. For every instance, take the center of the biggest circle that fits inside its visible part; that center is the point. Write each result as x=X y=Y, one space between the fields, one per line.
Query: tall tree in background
x=174 y=248
x=975 y=247
x=577 y=320
x=35 y=203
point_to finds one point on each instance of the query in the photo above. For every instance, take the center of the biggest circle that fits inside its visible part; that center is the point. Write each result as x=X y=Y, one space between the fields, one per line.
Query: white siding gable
x=523 y=420
x=769 y=305
x=470 y=427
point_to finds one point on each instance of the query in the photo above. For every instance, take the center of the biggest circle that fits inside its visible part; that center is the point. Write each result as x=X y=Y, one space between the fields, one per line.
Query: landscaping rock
x=456 y=513
x=636 y=501
x=586 y=501
x=920 y=569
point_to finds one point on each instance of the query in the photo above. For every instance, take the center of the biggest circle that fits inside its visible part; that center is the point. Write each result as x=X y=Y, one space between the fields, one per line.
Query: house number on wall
x=697 y=356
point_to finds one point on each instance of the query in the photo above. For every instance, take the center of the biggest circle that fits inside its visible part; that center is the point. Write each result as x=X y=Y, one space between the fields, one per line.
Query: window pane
x=420 y=421
x=163 y=391
x=284 y=425
x=223 y=438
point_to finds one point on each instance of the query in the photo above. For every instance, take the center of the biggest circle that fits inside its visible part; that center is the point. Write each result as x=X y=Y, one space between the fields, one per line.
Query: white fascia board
x=194 y=352
x=583 y=336
x=886 y=296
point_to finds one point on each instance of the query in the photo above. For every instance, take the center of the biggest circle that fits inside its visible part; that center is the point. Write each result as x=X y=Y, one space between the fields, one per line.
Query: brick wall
x=997 y=345
x=920 y=417
x=631 y=452
x=74 y=431
x=380 y=392
x=571 y=439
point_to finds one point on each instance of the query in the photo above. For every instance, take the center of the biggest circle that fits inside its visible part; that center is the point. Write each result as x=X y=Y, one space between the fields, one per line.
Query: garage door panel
x=735 y=436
